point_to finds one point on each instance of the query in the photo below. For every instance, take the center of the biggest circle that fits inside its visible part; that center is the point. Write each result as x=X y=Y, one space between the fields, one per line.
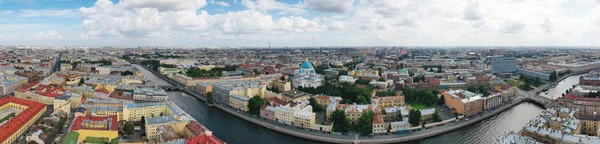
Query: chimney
x=208 y=133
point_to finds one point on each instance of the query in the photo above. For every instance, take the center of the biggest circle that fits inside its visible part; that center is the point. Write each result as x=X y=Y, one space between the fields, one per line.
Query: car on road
x=466 y=119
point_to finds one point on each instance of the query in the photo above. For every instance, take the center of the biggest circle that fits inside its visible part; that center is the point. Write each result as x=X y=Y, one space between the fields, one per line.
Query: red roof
x=276 y=101
x=28 y=86
x=575 y=97
x=102 y=91
x=204 y=139
x=22 y=118
x=196 y=128
x=77 y=125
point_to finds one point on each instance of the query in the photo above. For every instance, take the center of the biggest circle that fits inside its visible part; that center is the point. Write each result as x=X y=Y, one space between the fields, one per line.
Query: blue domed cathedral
x=307 y=77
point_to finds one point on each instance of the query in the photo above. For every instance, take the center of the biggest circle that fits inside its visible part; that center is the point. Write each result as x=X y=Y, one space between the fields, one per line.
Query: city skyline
x=299 y=23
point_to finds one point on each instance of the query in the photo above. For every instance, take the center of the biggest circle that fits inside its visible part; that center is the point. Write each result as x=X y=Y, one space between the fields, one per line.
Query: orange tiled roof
x=22 y=118
x=26 y=87
x=378 y=119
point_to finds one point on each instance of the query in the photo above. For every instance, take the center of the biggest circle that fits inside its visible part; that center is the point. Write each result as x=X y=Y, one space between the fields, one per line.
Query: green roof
x=96 y=140
x=114 y=140
x=70 y=138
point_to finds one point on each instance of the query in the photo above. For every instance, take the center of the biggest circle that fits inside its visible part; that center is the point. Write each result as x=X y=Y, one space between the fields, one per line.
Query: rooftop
x=22 y=118
x=110 y=121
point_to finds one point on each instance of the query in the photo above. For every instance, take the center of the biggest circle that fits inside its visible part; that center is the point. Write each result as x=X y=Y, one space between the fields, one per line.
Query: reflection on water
x=562 y=86
x=486 y=131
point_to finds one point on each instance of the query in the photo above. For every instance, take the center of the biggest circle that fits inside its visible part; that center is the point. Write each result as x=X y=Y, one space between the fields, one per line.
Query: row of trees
x=214 y=72
x=254 y=104
x=153 y=64
x=350 y=93
x=315 y=106
x=414 y=117
x=480 y=89
x=427 y=97
x=528 y=82
x=553 y=76
x=341 y=123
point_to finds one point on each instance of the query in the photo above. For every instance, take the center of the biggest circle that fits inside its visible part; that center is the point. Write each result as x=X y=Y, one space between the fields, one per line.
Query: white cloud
x=106 y=19
x=473 y=12
x=50 y=35
x=221 y=3
x=325 y=22
x=164 y=5
x=546 y=26
x=7 y=12
x=332 y=6
x=512 y=27
x=272 y=5
x=48 y=13
x=335 y=26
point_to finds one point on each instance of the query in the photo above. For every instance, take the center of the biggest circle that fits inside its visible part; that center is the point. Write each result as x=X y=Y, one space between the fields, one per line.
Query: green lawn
x=515 y=83
x=8 y=117
x=417 y=105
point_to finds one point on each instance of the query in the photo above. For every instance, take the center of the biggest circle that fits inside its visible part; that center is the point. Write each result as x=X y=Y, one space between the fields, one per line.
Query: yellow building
x=239 y=102
x=63 y=104
x=590 y=125
x=304 y=118
x=178 y=123
x=391 y=101
x=107 y=87
x=98 y=127
x=360 y=72
x=105 y=112
x=135 y=111
x=295 y=96
x=26 y=113
x=282 y=86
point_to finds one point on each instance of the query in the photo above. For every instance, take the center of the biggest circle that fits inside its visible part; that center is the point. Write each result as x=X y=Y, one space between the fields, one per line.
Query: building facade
x=307 y=77
x=504 y=64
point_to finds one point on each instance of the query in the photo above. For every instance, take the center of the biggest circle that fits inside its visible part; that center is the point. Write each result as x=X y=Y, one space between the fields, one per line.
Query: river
x=234 y=130
x=556 y=92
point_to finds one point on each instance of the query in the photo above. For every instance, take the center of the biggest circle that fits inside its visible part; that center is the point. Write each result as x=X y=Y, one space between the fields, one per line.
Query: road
x=57 y=64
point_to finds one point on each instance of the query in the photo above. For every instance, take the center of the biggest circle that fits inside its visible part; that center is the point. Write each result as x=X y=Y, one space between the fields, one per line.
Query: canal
x=561 y=87
x=234 y=130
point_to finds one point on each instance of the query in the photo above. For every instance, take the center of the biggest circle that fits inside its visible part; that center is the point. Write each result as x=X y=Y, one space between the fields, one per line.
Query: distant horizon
x=310 y=47
x=300 y=23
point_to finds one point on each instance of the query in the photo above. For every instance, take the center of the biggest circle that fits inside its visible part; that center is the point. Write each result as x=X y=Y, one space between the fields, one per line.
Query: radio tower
x=269 y=45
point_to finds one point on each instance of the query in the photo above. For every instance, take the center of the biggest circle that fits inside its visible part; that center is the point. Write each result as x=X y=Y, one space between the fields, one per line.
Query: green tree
x=430 y=69
x=365 y=123
x=440 y=70
x=81 y=81
x=316 y=107
x=282 y=78
x=209 y=98
x=436 y=117
x=340 y=122
x=126 y=73
x=128 y=128
x=342 y=72
x=143 y=121
x=254 y=104
x=553 y=76
x=414 y=117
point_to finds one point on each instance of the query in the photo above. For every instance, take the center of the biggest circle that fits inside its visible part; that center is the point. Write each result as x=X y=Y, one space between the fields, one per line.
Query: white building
x=347 y=78
x=307 y=77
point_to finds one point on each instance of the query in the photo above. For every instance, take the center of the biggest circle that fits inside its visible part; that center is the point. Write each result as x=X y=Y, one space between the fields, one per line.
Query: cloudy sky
x=251 y=23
